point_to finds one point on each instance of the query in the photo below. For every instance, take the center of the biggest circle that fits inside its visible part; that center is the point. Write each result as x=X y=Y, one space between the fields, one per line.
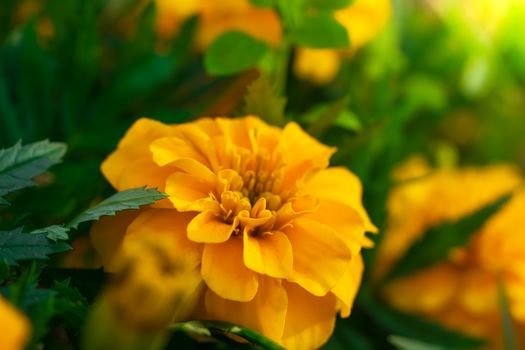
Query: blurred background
x=439 y=79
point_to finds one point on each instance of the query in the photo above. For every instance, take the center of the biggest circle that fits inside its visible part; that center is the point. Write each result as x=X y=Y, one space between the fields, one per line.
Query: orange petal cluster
x=462 y=291
x=275 y=233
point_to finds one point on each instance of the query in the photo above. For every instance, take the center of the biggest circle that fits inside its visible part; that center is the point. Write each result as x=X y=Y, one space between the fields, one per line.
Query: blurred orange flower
x=15 y=327
x=276 y=234
x=461 y=292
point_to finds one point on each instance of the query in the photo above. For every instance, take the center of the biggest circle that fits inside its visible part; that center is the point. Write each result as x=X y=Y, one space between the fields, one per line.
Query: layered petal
x=131 y=164
x=310 y=320
x=224 y=271
x=265 y=313
x=320 y=257
x=269 y=254
x=347 y=287
x=206 y=227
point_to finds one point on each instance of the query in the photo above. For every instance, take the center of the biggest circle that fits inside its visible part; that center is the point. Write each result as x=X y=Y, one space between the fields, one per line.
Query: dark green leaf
x=54 y=232
x=19 y=164
x=128 y=199
x=233 y=52
x=321 y=31
x=15 y=246
x=263 y=101
x=218 y=328
x=71 y=305
x=329 y=4
x=509 y=338
x=412 y=326
x=403 y=343
x=437 y=242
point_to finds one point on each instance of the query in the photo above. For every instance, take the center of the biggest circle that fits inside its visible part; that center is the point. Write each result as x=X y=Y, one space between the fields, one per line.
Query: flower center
x=247 y=193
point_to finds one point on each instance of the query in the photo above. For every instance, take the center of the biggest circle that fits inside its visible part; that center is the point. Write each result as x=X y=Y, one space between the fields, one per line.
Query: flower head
x=15 y=327
x=462 y=291
x=276 y=234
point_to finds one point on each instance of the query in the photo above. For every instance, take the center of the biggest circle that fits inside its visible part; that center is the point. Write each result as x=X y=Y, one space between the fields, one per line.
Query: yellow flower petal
x=269 y=254
x=15 y=327
x=265 y=313
x=126 y=166
x=187 y=192
x=317 y=65
x=167 y=149
x=224 y=271
x=206 y=227
x=339 y=184
x=320 y=257
x=310 y=320
x=347 y=287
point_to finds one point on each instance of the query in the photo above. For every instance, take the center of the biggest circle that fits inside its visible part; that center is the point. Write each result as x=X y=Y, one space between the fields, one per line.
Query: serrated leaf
x=263 y=101
x=409 y=325
x=54 y=232
x=321 y=31
x=437 y=242
x=233 y=52
x=128 y=199
x=19 y=164
x=15 y=246
x=71 y=306
x=402 y=343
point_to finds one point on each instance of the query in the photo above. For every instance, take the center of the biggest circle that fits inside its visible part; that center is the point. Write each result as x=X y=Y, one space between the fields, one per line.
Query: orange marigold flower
x=275 y=233
x=15 y=327
x=462 y=291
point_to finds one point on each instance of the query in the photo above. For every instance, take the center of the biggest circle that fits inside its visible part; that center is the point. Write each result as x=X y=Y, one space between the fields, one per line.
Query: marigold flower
x=462 y=291
x=15 y=327
x=276 y=234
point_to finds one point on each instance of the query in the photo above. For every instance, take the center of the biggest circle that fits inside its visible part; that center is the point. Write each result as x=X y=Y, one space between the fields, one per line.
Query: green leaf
x=233 y=52
x=509 y=338
x=71 y=305
x=322 y=117
x=223 y=329
x=402 y=343
x=19 y=164
x=128 y=199
x=54 y=232
x=263 y=101
x=329 y=4
x=15 y=246
x=408 y=325
x=437 y=242
x=321 y=31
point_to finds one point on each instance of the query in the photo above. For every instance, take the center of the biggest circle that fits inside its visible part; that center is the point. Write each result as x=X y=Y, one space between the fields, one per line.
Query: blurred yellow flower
x=276 y=234
x=461 y=292
x=15 y=327
x=363 y=20
x=153 y=286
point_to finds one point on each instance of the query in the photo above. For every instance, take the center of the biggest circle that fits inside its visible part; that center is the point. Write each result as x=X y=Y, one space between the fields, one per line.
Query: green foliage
x=437 y=242
x=16 y=245
x=329 y=4
x=54 y=232
x=233 y=52
x=223 y=330
x=509 y=339
x=321 y=31
x=263 y=101
x=125 y=200
x=19 y=164
x=70 y=304
x=403 y=343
